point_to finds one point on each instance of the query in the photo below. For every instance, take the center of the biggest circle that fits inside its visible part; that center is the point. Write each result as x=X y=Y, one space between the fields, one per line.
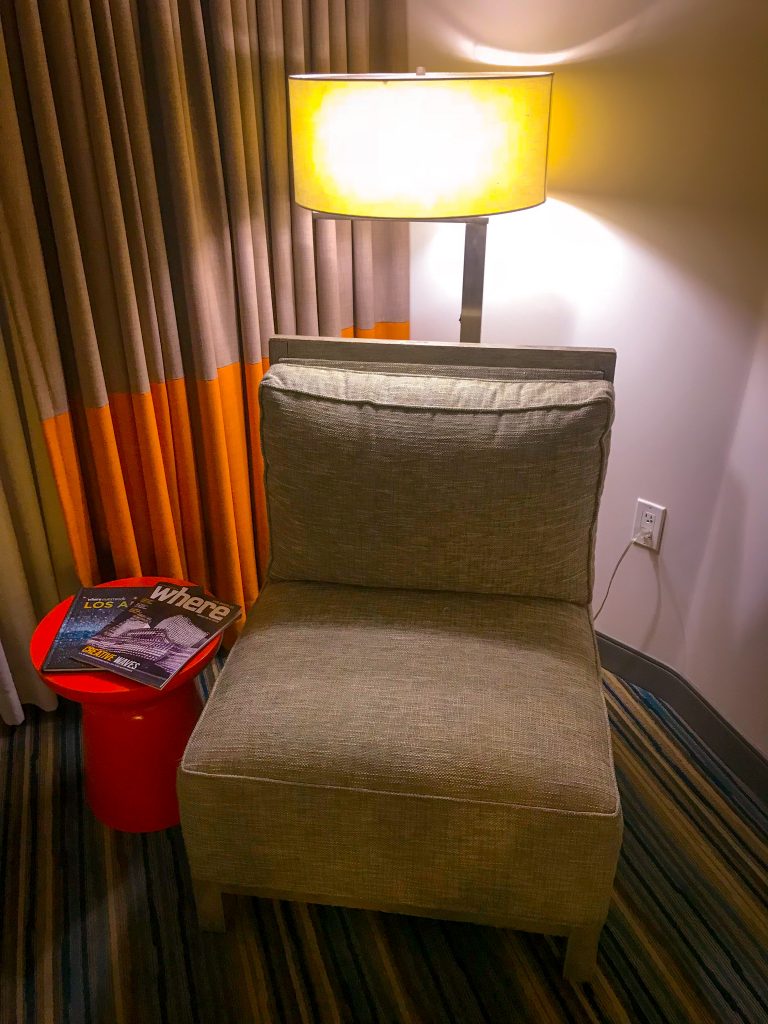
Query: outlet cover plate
x=649 y=516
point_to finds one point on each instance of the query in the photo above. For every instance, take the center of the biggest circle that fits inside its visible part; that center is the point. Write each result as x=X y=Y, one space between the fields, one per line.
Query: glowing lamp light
x=423 y=147
x=419 y=147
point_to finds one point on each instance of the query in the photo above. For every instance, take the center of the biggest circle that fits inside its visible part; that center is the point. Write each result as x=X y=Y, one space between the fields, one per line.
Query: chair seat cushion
x=423 y=752
x=455 y=696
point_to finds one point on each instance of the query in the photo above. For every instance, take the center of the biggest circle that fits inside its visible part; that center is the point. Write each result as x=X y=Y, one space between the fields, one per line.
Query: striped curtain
x=149 y=248
x=35 y=559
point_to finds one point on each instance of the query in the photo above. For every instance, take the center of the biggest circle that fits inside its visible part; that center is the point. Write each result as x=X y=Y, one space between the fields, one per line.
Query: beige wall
x=655 y=242
x=728 y=621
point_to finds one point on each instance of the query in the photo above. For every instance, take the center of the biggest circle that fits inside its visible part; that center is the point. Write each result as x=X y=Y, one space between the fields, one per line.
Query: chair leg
x=581 y=954
x=210 y=906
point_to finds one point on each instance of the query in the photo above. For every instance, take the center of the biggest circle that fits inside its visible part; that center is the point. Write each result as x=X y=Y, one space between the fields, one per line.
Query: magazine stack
x=146 y=634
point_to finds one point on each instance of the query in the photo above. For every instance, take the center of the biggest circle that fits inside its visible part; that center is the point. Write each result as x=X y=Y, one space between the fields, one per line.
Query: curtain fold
x=36 y=566
x=149 y=247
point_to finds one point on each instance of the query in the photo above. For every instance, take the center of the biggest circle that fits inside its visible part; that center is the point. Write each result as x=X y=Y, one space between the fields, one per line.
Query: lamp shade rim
x=422 y=220
x=429 y=76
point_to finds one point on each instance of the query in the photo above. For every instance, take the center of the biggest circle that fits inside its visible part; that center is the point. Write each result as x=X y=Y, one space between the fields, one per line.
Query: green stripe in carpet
x=99 y=927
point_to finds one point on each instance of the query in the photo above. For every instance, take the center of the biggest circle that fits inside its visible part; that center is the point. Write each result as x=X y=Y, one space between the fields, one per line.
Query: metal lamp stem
x=474 y=274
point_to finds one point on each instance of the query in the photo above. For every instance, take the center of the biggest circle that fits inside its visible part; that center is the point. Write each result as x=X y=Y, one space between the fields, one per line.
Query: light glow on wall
x=417 y=147
x=549 y=266
x=590 y=29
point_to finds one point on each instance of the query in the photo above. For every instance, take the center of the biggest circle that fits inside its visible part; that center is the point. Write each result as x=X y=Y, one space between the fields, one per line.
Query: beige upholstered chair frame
x=592 y=362
x=439 y=353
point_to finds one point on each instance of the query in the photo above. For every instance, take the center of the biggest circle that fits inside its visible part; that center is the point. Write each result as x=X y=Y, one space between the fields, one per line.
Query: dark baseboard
x=738 y=754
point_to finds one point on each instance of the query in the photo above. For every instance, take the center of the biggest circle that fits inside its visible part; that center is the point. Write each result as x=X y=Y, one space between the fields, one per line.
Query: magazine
x=91 y=609
x=154 y=638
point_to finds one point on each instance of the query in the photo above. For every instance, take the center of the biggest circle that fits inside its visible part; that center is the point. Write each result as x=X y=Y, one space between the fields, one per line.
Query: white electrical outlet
x=648 y=524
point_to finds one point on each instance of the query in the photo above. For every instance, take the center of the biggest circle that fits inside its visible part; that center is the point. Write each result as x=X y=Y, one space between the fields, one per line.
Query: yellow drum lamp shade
x=419 y=147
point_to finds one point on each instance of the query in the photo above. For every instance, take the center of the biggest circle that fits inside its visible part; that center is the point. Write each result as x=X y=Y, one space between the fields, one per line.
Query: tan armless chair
x=412 y=719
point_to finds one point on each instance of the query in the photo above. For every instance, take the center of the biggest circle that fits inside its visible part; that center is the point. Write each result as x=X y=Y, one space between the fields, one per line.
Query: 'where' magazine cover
x=154 y=638
x=91 y=609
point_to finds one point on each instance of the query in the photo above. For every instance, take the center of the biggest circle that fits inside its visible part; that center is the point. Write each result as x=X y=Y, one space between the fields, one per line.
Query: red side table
x=133 y=736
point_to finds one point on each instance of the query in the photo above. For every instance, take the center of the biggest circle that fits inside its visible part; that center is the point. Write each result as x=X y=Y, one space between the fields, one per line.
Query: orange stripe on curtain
x=172 y=471
x=110 y=479
x=227 y=486
x=60 y=442
x=384 y=330
x=149 y=482
x=232 y=387
x=151 y=475
x=162 y=412
x=155 y=457
x=178 y=449
x=146 y=470
x=253 y=374
x=121 y=414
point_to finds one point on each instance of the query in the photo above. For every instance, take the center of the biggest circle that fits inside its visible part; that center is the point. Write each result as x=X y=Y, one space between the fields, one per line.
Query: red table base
x=133 y=736
x=131 y=757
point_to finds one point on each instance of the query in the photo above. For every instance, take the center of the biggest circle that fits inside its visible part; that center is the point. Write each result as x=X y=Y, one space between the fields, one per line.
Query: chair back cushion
x=393 y=479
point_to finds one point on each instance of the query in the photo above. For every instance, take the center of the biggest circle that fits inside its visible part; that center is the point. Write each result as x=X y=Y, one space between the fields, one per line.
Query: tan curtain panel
x=36 y=567
x=149 y=247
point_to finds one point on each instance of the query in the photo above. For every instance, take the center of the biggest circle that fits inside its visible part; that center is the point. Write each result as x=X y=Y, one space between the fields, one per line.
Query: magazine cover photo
x=159 y=633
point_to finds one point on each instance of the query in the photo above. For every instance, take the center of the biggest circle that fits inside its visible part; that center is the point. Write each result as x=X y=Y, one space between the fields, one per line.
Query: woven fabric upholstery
x=402 y=749
x=434 y=483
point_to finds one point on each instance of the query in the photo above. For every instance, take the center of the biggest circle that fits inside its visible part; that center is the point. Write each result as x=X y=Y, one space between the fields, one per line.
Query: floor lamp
x=431 y=147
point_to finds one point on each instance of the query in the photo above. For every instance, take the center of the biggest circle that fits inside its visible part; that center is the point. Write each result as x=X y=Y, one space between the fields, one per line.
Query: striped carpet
x=99 y=926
